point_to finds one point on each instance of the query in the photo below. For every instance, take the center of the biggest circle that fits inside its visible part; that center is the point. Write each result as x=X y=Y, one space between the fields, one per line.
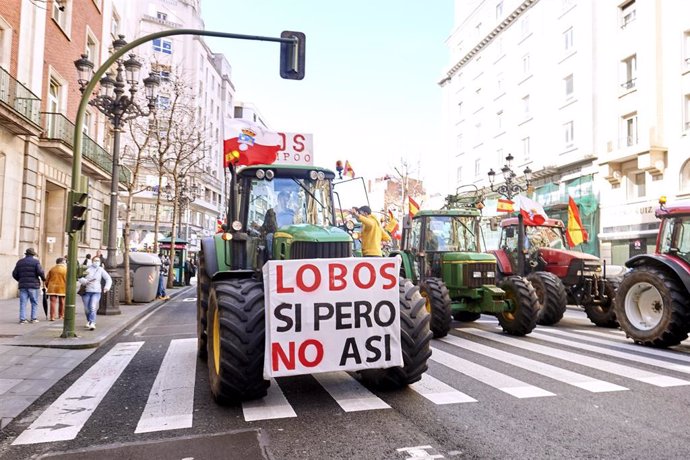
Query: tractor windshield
x=451 y=234
x=675 y=237
x=293 y=201
x=544 y=237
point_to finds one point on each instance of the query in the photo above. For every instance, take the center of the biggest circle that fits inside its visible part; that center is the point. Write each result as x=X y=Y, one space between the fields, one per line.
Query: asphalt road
x=569 y=391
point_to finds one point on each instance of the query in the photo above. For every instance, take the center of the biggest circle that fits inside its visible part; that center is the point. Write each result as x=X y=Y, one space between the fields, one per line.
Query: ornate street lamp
x=509 y=189
x=118 y=107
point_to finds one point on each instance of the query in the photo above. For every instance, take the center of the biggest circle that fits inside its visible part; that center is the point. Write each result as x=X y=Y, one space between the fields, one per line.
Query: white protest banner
x=296 y=148
x=327 y=315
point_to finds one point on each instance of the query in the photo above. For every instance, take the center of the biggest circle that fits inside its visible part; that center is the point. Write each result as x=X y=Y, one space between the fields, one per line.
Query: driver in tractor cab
x=285 y=215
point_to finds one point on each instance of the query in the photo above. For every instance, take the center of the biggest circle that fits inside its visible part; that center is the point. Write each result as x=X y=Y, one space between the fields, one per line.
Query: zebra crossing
x=479 y=352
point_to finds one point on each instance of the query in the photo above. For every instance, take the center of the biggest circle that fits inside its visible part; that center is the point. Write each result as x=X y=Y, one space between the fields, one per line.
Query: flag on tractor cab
x=575 y=233
x=414 y=207
x=504 y=205
x=219 y=226
x=249 y=144
x=348 y=171
x=392 y=225
x=532 y=212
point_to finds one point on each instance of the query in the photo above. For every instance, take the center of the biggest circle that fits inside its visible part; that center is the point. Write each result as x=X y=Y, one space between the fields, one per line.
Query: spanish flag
x=575 y=233
x=414 y=207
x=348 y=171
x=504 y=205
x=392 y=225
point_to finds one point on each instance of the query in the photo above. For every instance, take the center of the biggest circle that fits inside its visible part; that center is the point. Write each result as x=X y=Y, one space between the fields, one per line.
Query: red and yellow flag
x=392 y=225
x=504 y=205
x=575 y=233
x=348 y=171
x=414 y=207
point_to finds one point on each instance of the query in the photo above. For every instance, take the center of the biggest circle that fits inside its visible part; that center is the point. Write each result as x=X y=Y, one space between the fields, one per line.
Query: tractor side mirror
x=510 y=232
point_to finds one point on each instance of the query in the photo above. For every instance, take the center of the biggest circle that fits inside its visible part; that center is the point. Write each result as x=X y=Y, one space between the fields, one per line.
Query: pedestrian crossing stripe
x=170 y=404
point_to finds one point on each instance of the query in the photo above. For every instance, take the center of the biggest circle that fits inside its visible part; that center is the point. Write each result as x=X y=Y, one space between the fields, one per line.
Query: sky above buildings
x=371 y=93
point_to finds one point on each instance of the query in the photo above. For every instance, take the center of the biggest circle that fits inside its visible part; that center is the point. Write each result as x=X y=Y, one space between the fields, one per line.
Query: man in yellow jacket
x=372 y=233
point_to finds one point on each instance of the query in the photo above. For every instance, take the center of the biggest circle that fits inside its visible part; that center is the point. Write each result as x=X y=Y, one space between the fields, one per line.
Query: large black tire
x=522 y=318
x=652 y=307
x=415 y=337
x=437 y=300
x=236 y=340
x=466 y=316
x=602 y=311
x=552 y=297
x=203 y=286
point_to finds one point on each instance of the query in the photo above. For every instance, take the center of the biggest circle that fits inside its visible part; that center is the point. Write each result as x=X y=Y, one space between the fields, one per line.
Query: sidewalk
x=33 y=357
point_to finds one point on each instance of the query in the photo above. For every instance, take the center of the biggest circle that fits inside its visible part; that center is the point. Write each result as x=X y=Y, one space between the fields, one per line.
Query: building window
x=686 y=114
x=458 y=175
x=161 y=16
x=458 y=144
x=499 y=120
x=686 y=48
x=5 y=43
x=524 y=25
x=478 y=132
x=478 y=29
x=630 y=129
x=499 y=10
x=684 y=177
x=163 y=102
x=53 y=96
x=115 y=25
x=161 y=45
x=499 y=156
x=629 y=71
x=525 y=64
x=62 y=14
x=88 y=120
x=477 y=167
x=525 y=148
x=628 y=13
x=569 y=131
x=525 y=105
x=499 y=83
x=637 y=184
x=568 y=39
x=568 y=83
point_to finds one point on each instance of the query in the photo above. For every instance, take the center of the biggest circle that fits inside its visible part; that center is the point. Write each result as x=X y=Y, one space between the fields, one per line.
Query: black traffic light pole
x=292 y=61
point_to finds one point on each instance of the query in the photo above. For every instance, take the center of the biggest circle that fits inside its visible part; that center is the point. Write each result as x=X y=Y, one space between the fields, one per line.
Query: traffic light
x=292 y=56
x=77 y=206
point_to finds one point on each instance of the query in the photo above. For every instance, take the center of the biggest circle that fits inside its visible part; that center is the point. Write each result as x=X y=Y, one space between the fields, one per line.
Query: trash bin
x=145 y=269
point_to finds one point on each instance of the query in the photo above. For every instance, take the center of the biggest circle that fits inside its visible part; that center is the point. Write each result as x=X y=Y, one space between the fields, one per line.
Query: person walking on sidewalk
x=29 y=274
x=162 y=279
x=56 y=282
x=93 y=287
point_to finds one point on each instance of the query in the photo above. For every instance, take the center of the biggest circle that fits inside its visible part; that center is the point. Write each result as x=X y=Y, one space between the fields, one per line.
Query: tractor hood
x=565 y=256
x=468 y=257
x=308 y=232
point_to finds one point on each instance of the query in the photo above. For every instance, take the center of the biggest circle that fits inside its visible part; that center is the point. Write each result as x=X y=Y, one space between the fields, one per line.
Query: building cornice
x=509 y=20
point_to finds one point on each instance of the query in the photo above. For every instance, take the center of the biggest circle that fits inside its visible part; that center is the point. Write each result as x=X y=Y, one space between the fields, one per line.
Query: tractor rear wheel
x=552 y=297
x=652 y=307
x=203 y=286
x=601 y=311
x=236 y=340
x=466 y=316
x=437 y=299
x=521 y=319
x=414 y=336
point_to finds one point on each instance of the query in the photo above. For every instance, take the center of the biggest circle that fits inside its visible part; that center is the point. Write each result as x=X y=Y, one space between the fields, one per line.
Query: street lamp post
x=509 y=189
x=119 y=108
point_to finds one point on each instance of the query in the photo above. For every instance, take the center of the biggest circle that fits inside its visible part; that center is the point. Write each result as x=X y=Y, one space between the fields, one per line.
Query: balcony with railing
x=58 y=137
x=19 y=107
x=628 y=85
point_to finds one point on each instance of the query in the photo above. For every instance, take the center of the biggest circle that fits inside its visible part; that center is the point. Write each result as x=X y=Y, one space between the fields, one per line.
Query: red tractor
x=559 y=275
x=653 y=300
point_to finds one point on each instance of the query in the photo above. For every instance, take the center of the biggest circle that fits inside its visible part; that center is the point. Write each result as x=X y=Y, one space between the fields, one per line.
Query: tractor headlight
x=226 y=236
x=260 y=174
x=490 y=275
x=270 y=174
x=321 y=175
x=349 y=225
x=476 y=274
x=237 y=225
x=313 y=175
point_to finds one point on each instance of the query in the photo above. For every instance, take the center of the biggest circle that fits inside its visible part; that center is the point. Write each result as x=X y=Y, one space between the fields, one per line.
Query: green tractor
x=442 y=253
x=279 y=212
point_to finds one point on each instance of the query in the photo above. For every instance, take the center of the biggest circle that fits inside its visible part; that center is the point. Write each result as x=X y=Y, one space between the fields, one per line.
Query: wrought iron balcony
x=58 y=135
x=19 y=107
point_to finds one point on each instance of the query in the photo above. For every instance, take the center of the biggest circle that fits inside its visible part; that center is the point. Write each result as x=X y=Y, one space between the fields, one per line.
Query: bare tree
x=402 y=186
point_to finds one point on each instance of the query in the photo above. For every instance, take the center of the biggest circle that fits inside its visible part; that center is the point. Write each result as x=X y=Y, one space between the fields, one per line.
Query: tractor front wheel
x=552 y=297
x=202 y=291
x=522 y=316
x=652 y=307
x=236 y=340
x=414 y=336
x=601 y=311
x=437 y=299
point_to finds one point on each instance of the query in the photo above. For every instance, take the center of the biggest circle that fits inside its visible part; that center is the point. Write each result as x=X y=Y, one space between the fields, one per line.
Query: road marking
x=547 y=370
x=587 y=361
x=501 y=382
x=171 y=400
x=272 y=406
x=438 y=392
x=625 y=344
x=628 y=355
x=64 y=418
x=189 y=299
x=419 y=453
x=349 y=393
